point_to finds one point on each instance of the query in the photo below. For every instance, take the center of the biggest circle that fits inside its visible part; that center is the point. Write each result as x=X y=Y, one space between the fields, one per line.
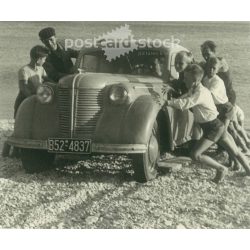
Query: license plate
x=57 y=145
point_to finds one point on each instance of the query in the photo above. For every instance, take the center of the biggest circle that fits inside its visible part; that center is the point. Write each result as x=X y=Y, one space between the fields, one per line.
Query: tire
x=6 y=150
x=145 y=165
x=36 y=160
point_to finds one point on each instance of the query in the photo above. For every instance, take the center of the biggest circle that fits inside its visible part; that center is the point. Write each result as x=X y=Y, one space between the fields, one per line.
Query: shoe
x=220 y=175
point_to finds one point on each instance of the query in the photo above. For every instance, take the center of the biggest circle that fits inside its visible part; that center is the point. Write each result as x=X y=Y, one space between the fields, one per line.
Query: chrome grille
x=64 y=106
x=88 y=107
x=88 y=110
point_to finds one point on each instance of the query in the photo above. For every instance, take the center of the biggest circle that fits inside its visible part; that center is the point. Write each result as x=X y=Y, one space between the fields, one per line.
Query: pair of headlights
x=117 y=94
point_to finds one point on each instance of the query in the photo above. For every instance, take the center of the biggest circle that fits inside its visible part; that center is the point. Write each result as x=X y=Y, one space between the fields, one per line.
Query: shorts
x=226 y=111
x=213 y=130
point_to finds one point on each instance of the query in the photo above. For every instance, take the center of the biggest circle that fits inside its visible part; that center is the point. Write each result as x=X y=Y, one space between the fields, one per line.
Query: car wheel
x=36 y=160
x=6 y=150
x=145 y=165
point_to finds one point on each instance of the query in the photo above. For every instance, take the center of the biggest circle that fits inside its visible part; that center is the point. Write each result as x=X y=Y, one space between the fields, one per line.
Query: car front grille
x=87 y=110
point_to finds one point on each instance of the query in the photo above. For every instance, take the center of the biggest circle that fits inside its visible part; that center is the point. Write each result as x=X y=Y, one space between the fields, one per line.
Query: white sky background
x=125 y=10
x=106 y=10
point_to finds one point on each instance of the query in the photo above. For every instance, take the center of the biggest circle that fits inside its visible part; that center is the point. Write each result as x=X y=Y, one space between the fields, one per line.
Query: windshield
x=150 y=62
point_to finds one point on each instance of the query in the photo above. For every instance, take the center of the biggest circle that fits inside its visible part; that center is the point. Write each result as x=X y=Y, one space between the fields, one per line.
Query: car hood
x=100 y=80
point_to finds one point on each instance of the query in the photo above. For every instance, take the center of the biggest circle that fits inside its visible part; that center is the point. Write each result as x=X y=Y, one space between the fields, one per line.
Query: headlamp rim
x=119 y=101
x=51 y=91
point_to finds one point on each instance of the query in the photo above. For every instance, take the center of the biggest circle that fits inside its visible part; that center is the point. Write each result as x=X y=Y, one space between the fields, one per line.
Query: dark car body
x=86 y=107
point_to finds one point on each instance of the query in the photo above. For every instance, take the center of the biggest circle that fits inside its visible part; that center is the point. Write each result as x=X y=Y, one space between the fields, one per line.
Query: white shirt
x=30 y=78
x=217 y=88
x=28 y=74
x=201 y=102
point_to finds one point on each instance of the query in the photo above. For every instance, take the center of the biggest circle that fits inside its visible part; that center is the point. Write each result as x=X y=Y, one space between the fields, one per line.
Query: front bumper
x=96 y=147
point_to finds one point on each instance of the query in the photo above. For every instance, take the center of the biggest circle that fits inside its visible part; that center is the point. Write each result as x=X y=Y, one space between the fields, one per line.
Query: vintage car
x=106 y=107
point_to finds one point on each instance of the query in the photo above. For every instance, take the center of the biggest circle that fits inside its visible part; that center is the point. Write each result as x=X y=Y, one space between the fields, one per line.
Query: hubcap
x=152 y=151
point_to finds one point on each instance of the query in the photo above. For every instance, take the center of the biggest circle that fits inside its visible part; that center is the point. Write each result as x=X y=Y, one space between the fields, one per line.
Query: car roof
x=174 y=48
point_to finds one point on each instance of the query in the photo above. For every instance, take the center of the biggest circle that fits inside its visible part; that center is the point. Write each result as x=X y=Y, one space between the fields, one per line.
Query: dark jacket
x=59 y=63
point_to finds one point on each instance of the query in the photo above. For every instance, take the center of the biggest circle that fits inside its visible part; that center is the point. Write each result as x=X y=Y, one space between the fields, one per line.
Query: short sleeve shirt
x=31 y=76
x=217 y=88
x=26 y=73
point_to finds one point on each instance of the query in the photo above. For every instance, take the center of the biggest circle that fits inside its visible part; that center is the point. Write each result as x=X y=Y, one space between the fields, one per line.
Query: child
x=208 y=50
x=31 y=75
x=205 y=113
x=217 y=87
x=182 y=60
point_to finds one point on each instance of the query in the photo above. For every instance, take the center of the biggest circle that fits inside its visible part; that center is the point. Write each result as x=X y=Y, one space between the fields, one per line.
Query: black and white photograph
x=124 y=124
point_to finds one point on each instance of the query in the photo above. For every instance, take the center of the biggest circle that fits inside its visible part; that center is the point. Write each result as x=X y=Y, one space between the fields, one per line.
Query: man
x=58 y=63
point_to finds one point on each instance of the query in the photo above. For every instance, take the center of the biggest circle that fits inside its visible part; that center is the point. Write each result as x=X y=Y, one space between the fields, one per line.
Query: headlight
x=118 y=94
x=45 y=94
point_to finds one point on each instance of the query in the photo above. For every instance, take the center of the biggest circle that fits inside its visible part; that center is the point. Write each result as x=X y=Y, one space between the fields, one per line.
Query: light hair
x=195 y=70
x=188 y=55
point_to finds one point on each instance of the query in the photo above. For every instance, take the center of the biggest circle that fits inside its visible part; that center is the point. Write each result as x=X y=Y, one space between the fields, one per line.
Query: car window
x=138 y=62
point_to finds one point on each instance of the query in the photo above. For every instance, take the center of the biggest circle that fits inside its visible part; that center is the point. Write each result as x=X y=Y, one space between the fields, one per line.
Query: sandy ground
x=101 y=193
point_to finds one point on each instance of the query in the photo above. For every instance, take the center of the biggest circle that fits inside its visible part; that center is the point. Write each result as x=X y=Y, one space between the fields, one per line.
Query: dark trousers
x=19 y=99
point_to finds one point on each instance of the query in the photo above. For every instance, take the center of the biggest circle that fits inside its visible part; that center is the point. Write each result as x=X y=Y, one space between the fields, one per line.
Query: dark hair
x=213 y=60
x=46 y=33
x=38 y=51
x=209 y=44
x=195 y=70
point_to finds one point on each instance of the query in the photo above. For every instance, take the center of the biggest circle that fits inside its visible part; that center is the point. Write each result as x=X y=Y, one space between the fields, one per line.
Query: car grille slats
x=87 y=110
x=64 y=110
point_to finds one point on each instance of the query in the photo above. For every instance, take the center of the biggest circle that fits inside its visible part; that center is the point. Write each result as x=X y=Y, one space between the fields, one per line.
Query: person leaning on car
x=32 y=75
x=58 y=62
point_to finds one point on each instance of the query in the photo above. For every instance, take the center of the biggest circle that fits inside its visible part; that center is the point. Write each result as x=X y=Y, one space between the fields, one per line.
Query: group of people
x=47 y=63
x=206 y=89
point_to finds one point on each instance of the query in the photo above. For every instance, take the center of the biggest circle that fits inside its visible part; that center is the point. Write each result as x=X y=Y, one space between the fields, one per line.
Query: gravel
x=100 y=192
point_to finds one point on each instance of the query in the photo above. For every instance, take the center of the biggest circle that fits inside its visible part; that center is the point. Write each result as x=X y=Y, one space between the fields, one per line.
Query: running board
x=175 y=164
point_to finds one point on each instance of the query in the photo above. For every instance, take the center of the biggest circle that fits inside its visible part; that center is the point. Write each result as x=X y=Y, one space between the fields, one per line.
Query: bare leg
x=232 y=158
x=229 y=144
x=197 y=154
x=240 y=129
x=239 y=141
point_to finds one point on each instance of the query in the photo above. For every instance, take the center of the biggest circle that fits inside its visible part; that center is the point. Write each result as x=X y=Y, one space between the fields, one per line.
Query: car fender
x=128 y=124
x=35 y=120
x=139 y=120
